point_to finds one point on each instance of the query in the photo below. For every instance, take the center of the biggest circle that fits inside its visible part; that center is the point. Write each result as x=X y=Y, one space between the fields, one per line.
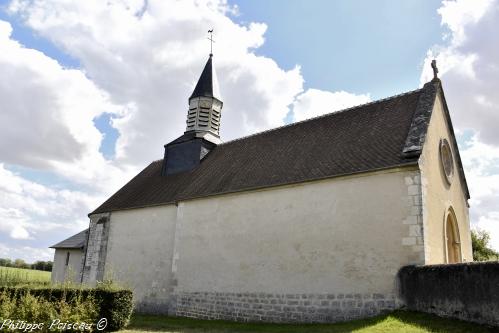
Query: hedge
x=114 y=305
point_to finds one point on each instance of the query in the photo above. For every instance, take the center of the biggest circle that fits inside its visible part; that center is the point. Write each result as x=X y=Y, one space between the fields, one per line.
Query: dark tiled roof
x=74 y=242
x=204 y=87
x=363 y=138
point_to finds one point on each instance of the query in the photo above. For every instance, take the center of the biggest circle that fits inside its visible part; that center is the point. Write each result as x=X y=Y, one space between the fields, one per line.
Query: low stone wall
x=468 y=291
x=282 y=308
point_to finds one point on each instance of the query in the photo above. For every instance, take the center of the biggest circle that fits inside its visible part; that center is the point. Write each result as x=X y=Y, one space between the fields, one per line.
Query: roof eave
x=410 y=163
x=454 y=142
x=66 y=247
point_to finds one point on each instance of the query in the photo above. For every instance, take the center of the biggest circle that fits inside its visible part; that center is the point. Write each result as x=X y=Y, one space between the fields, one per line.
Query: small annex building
x=68 y=258
x=308 y=222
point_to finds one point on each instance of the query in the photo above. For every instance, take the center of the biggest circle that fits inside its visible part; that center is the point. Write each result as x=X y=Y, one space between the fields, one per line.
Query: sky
x=90 y=91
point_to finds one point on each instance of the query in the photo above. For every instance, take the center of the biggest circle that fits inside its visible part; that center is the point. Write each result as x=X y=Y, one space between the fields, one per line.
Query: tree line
x=19 y=263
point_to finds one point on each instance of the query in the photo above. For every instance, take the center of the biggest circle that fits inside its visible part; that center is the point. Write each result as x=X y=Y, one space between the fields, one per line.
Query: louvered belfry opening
x=204 y=115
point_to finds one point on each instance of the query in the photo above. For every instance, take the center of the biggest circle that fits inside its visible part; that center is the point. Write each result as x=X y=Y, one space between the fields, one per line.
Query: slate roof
x=359 y=139
x=207 y=84
x=74 y=242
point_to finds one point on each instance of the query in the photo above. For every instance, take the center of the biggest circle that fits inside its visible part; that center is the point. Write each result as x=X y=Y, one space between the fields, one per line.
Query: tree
x=19 y=263
x=5 y=262
x=481 y=249
x=42 y=265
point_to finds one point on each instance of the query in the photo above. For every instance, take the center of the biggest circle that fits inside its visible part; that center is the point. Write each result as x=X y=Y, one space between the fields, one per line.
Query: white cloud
x=47 y=116
x=30 y=209
x=152 y=61
x=469 y=65
x=481 y=162
x=490 y=223
x=41 y=99
x=469 y=69
x=27 y=253
x=315 y=102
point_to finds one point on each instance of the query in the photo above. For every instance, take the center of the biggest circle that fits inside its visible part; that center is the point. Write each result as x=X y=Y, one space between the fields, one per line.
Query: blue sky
x=357 y=46
x=93 y=90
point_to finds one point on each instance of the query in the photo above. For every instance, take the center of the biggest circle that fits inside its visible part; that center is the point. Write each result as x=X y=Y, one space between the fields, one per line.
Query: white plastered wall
x=72 y=271
x=139 y=253
x=342 y=235
x=438 y=196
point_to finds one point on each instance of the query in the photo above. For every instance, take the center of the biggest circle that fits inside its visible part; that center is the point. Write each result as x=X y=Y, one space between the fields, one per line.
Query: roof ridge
x=321 y=116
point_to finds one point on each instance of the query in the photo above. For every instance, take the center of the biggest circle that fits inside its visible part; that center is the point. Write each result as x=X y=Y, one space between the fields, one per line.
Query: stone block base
x=281 y=308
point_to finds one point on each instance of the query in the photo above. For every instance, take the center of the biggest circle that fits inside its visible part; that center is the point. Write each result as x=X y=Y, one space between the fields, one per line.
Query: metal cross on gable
x=435 y=69
x=211 y=40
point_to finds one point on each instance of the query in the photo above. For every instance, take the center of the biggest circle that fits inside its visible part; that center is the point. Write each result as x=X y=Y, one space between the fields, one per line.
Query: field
x=396 y=322
x=10 y=276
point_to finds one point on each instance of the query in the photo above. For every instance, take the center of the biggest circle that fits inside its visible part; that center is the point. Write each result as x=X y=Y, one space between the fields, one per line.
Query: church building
x=308 y=222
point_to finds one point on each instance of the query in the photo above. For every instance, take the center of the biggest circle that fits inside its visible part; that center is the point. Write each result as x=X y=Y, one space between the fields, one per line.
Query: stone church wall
x=139 y=254
x=438 y=196
x=320 y=251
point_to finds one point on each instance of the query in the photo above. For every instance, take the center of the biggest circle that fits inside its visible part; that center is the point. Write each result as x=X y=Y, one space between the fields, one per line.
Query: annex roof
x=74 y=242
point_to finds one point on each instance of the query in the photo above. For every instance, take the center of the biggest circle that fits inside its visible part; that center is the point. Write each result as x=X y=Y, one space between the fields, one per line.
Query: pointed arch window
x=452 y=238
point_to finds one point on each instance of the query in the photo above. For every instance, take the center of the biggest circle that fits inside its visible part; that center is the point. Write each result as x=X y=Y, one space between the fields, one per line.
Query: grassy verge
x=14 y=276
x=396 y=322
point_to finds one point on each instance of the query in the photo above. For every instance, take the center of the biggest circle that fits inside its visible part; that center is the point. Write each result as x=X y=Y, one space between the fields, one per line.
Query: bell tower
x=202 y=133
x=205 y=106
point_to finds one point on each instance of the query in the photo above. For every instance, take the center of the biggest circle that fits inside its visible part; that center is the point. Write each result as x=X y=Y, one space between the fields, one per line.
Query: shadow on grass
x=398 y=321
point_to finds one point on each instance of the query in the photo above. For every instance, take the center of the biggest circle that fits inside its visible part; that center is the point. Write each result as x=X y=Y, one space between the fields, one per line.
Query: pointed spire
x=207 y=85
x=205 y=106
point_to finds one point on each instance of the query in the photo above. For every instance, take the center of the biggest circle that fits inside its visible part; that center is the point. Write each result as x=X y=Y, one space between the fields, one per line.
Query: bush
x=68 y=304
x=117 y=307
x=33 y=310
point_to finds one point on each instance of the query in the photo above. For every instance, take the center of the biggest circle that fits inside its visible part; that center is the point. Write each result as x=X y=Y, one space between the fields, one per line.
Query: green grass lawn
x=13 y=276
x=396 y=322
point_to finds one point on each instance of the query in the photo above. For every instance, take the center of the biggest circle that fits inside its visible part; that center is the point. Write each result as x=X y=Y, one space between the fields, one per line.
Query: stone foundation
x=281 y=308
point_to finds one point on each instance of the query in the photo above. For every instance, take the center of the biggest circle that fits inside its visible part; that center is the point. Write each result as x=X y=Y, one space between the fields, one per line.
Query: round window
x=446 y=159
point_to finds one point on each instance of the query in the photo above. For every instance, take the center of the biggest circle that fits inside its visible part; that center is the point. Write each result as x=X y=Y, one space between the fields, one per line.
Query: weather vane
x=211 y=40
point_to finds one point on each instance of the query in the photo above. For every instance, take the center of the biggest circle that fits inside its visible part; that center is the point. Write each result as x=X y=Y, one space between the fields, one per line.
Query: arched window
x=452 y=239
